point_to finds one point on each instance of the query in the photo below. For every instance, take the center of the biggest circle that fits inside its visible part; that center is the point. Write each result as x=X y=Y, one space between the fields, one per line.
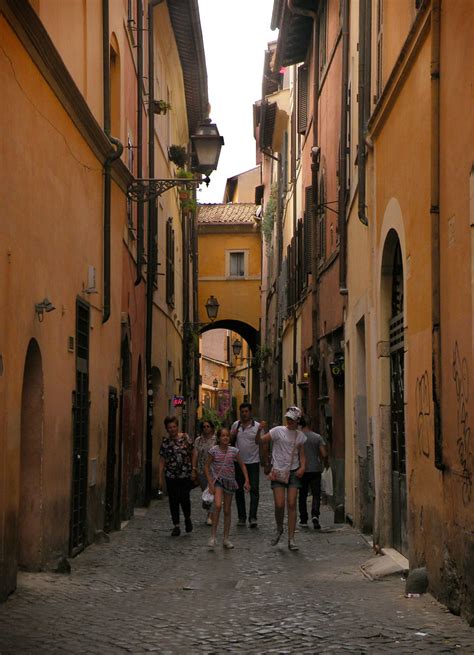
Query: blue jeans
x=254 y=477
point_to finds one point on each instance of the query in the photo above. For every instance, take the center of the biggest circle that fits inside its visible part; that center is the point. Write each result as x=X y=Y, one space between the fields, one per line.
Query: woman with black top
x=176 y=469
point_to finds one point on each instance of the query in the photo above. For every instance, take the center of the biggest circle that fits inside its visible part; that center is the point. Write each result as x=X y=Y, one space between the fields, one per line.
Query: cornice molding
x=30 y=31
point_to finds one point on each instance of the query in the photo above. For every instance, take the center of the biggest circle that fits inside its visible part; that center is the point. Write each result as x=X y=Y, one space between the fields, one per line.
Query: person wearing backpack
x=243 y=433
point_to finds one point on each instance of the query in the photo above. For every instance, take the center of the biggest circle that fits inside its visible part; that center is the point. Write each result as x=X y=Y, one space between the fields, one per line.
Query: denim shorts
x=292 y=482
x=231 y=492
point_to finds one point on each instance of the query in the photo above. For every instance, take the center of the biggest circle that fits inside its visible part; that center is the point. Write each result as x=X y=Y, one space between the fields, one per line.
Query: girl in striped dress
x=220 y=473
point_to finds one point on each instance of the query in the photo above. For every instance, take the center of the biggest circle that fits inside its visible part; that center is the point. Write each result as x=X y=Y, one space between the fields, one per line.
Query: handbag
x=282 y=475
x=279 y=475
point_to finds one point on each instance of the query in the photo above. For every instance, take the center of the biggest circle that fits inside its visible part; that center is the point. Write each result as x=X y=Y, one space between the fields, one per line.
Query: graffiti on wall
x=423 y=412
x=463 y=430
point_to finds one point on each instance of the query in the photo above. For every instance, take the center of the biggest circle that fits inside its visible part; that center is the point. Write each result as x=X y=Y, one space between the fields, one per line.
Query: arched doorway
x=397 y=406
x=30 y=518
x=393 y=381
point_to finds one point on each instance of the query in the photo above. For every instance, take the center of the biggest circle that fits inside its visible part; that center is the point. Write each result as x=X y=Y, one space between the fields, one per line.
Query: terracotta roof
x=229 y=214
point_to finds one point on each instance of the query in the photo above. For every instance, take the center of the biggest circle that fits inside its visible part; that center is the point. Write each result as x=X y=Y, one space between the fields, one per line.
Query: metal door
x=80 y=443
x=397 y=406
x=109 y=518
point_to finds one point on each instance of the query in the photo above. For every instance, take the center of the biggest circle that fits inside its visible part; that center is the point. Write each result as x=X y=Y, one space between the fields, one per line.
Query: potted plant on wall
x=161 y=106
x=185 y=194
x=178 y=155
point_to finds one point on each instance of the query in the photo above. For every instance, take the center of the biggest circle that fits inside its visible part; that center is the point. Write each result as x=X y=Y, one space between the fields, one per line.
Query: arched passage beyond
x=30 y=517
x=246 y=331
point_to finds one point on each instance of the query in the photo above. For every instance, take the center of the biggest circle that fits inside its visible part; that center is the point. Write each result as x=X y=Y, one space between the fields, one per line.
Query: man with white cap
x=288 y=467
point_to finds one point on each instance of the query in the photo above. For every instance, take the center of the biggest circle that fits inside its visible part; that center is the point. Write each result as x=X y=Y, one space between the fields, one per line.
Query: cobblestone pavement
x=148 y=592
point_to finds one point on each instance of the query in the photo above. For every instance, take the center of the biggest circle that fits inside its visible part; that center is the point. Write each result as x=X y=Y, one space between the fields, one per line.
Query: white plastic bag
x=326 y=482
x=207 y=497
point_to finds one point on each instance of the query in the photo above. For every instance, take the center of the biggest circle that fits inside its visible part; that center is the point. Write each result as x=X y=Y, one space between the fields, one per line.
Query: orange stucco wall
x=238 y=299
x=51 y=201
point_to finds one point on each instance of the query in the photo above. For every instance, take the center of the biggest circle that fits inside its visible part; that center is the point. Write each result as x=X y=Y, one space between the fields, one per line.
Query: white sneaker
x=208 y=521
x=212 y=542
x=292 y=545
x=227 y=544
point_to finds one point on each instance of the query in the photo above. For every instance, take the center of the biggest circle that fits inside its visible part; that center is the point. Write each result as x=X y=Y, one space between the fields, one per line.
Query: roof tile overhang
x=184 y=16
x=294 y=31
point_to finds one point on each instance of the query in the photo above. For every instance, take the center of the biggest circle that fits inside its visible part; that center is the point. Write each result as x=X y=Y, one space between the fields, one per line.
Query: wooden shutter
x=302 y=99
x=308 y=231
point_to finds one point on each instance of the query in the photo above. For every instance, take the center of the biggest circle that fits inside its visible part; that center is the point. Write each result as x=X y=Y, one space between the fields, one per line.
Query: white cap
x=294 y=413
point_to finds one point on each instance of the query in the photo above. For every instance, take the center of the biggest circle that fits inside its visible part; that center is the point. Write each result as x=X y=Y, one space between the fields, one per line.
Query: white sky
x=235 y=38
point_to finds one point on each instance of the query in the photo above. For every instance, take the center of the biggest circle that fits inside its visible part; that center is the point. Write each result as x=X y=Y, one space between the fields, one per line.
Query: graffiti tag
x=423 y=411
x=461 y=382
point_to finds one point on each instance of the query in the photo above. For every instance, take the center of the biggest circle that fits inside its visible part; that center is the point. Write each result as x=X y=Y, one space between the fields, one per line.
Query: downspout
x=435 y=239
x=315 y=159
x=140 y=204
x=295 y=250
x=152 y=246
x=185 y=296
x=364 y=81
x=195 y=338
x=108 y=162
x=343 y=152
x=298 y=11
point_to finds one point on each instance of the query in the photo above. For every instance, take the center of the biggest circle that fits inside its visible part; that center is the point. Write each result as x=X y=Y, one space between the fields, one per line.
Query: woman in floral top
x=176 y=468
x=202 y=445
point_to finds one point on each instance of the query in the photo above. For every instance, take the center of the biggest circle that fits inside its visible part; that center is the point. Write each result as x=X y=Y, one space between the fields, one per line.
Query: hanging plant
x=189 y=205
x=178 y=155
x=161 y=106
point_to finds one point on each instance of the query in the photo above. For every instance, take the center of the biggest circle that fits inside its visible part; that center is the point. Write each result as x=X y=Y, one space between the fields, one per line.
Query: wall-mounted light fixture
x=215 y=383
x=44 y=306
x=206 y=143
x=237 y=347
x=212 y=307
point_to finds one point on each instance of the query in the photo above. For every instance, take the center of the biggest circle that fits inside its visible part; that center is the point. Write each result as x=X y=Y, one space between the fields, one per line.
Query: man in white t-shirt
x=244 y=432
x=287 y=452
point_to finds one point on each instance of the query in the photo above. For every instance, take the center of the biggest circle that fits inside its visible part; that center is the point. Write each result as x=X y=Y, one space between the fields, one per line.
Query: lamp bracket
x=146 y=189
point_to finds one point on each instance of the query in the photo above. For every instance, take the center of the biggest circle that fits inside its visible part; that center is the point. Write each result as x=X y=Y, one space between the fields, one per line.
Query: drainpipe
x=315 y=159
x=364 y=100
x=152 y=239
x=343 y=152
x=435 y=244
x=295 y=247
x=140 y=204
x=298 y=11
x=110 y=159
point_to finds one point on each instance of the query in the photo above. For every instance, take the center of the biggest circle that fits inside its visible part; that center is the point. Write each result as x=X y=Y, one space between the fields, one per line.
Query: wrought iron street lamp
x=215 y=383
x=237 y=347
x=212 y=307
x=207 y=144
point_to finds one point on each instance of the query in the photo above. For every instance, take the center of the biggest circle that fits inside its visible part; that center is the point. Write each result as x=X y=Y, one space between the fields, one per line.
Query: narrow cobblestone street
x=147 y=592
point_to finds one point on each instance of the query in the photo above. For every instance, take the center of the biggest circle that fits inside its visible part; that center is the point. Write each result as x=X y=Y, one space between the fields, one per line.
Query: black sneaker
x=253 y=523
x=175 y=532
x=316 y=524
x=188 y=525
